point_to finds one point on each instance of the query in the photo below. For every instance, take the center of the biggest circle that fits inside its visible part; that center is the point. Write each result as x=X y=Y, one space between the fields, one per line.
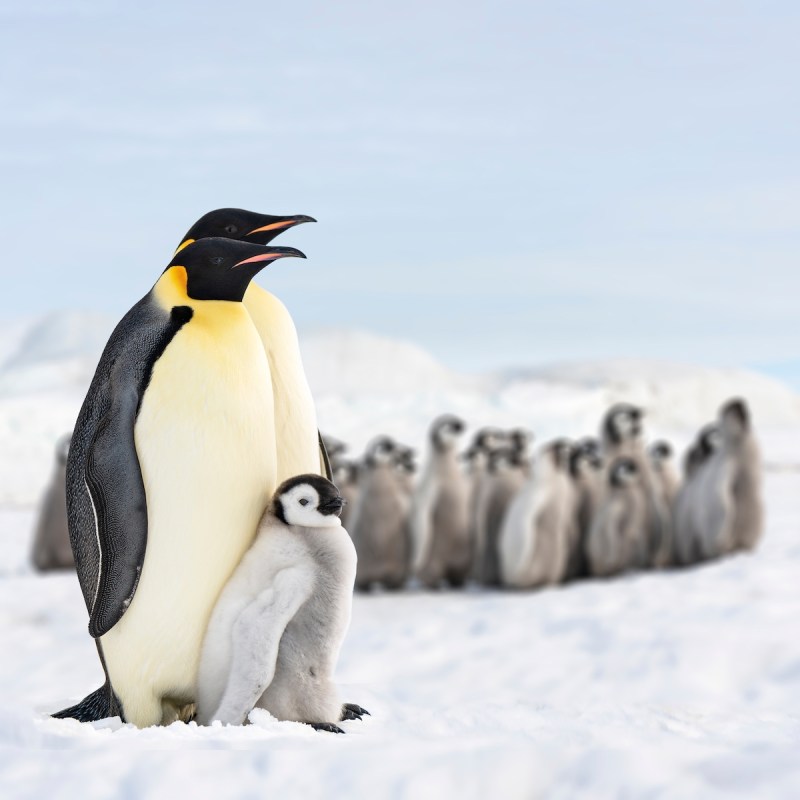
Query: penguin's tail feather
x=100 y=704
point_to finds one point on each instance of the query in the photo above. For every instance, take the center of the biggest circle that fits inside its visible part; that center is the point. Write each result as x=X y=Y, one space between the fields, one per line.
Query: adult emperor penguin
x=276 y=631
x=51 y=548
x=379 y=523
x=171 y=465
x=534 y=539
x=728 y=510
x=299 y=444
x=440 y=509
x=615 y=543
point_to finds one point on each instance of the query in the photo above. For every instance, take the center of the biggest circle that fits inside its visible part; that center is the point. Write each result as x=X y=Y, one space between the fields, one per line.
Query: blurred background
x=526 y=212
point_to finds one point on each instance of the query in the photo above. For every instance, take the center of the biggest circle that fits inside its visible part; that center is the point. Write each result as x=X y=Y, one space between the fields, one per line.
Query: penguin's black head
x=221 y=269
x=735 y=418
x=623 y=472
x=660 y=451
x=404 y=459
x=708 y=440
x=559 y=451
x=446 y=430
x=586 y=451
x=520 y=441
x=236 y=223
x=309 y=501
x=380 y=451
x=487 y=439
x=622 y=423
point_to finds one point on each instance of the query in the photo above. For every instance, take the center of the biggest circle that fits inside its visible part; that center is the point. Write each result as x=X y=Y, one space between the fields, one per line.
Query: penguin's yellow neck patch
x=170 y=289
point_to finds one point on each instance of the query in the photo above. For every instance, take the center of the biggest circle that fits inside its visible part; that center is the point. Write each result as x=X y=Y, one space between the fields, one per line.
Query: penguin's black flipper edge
x=115 y=485
x=324 y=461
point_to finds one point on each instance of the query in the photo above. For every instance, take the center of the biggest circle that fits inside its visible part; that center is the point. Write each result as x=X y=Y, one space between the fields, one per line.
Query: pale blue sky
x=504 y=183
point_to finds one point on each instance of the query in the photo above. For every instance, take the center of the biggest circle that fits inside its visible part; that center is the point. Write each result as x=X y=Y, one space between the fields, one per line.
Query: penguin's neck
x=170 y=291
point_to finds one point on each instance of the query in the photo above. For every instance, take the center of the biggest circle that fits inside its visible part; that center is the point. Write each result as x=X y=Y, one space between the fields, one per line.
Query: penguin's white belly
x=295 y=415
x=206 y=447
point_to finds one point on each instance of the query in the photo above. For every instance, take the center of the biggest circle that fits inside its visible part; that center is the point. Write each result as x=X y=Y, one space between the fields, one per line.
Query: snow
x=675 y=684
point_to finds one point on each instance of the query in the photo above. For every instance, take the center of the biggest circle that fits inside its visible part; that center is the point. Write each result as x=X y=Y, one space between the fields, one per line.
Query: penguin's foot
x=352 y=711
x=326 y=726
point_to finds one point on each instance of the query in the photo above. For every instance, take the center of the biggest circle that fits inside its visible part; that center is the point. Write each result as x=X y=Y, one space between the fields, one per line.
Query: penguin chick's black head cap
x=330 y=501
x=237 y=223
x=623 y=470
x=221 y=269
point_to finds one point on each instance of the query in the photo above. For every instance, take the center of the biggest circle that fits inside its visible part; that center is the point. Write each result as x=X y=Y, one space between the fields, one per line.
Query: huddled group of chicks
x=498 y=515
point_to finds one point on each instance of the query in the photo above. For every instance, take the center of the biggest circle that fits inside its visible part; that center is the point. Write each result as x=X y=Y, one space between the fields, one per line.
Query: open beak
x=286 y=222
x=273 y=254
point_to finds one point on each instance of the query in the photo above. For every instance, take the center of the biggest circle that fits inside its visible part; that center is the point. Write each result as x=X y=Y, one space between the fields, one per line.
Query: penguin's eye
x=303 y=501
x=216 y=260
x=231 y=229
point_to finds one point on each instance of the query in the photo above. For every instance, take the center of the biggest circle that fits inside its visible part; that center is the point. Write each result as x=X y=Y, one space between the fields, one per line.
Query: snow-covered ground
x=674 y=684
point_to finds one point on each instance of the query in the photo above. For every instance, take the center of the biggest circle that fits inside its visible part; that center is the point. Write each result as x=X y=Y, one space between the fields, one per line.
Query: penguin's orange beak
x=273 y=255
x=288 y=222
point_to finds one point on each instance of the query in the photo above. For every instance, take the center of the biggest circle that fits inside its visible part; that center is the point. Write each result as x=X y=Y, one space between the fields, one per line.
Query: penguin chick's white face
x=308 y=501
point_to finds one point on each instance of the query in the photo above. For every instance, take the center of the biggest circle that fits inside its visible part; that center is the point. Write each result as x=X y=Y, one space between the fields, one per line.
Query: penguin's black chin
x=331 y=507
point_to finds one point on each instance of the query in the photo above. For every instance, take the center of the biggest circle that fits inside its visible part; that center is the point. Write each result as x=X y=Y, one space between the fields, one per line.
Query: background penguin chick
x=277 y=628
x=345 y=476
x=440 y=509
x=615 y=541
x=537 y=528
x=379 y=521
x=586 y=472
x=621 y=428
x=51 y=546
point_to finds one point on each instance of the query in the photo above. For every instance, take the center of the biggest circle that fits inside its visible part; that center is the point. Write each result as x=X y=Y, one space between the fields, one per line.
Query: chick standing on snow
x=51 y=547
x=277 y=628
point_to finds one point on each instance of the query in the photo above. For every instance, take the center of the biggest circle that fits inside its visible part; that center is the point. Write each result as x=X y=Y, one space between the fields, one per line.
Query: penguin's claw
x=326 y=726
x=352 y=711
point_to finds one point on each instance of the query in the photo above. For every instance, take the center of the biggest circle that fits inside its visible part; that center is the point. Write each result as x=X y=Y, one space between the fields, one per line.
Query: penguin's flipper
x=114 y=481
x=324 y=461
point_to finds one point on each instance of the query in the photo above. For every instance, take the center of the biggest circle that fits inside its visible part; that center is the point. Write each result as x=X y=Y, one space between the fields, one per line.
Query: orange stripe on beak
x=274 y=226
x=263 y=257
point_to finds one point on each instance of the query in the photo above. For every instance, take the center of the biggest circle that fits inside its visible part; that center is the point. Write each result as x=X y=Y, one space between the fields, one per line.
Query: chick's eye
x=304 y=502
x=231 y=229
x=217 y=260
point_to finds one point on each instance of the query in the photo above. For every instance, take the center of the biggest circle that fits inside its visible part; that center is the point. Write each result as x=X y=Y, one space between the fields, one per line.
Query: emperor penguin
x=299 y=445
x=477 y=457
x=686 y=539
x=586 y=472
x=278 y=626
x=728 y=509
x=51 y=548
x=171 y=464
x=621 y=436
x=440 y=509
x=615 y=542
x=379 y=524
x=507 y=476
x=536 y=530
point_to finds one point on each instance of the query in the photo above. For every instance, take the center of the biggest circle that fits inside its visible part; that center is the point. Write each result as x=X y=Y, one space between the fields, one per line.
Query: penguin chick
x=379 y=522
x=728 y=508
x=536 y=530
x=615 y=540
x=276 y=631
x=586 y=471
x=51 y=547
x=686 y=545
x=440 y=507
x=506 y=478
x=477 y=457
x=406 y=466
